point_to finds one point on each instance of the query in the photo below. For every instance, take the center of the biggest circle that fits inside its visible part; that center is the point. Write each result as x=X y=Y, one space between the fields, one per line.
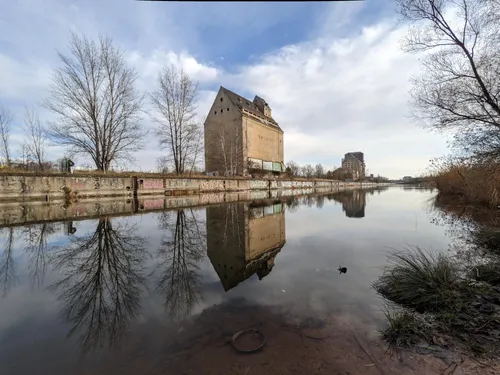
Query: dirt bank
x=295 y=345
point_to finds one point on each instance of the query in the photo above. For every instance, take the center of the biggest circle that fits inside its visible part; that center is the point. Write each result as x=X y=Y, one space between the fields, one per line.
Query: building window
x=221 y=99
x=222 y=110
x=215 y=112
x=228 y=109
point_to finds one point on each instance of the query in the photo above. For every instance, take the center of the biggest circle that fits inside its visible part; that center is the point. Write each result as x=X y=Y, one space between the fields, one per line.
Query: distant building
x=241 y=136
x=355 y=162
x=243 y=239
x=406 y=178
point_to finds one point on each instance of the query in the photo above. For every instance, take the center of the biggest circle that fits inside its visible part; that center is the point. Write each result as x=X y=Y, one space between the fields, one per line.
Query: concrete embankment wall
x=61 y=187
x=32 y=212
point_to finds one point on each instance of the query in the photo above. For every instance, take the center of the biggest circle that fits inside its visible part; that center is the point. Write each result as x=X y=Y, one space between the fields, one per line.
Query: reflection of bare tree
x=320 y=201
x=292 y=204
x=36 y=241
x=7 y=265
x=102 y=281
x=182 y=248
x=475 y=233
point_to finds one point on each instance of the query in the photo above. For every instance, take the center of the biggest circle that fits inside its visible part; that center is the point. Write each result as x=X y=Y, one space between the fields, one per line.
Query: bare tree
x=293 y=168
x=460 y=87
x=227 y=150
x=5 y=121
x=97 y=106
x=34 y=134
x=319 y=171
x=307 y=171
x=162 y=164
x=175 y=104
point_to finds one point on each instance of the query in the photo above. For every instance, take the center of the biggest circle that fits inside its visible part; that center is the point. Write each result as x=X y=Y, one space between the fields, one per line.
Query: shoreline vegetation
x=434 y=302
x=468 y=182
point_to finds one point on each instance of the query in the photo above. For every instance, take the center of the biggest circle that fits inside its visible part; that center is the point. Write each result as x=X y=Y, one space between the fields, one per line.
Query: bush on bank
x=472 y=182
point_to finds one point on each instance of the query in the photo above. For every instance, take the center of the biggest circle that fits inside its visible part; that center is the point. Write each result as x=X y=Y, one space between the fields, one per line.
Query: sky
x=333 y=73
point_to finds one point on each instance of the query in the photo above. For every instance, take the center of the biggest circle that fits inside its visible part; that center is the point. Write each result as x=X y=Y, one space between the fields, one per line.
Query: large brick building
x=355 y=163
x=241 y=136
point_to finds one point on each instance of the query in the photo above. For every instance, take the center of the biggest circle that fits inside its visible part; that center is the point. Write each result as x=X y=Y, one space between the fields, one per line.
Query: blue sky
x=333 y=73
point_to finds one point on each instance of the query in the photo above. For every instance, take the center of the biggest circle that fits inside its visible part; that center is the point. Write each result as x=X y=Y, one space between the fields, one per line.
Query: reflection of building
x=243 y=239
x=353 y=202
x=355 y=162
x=241 y=135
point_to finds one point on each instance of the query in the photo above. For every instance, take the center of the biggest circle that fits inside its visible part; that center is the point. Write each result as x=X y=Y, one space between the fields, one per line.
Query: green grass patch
x=404 y=328
x=425 y=282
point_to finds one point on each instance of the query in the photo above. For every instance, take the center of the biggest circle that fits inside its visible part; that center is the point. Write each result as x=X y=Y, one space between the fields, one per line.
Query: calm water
x=106 y=297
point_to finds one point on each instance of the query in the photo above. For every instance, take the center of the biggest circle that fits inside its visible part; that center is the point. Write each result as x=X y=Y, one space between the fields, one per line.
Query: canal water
x=163 y=293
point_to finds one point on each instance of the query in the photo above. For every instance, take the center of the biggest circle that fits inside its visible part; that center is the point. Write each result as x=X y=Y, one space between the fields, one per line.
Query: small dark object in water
x=255 y=340
x=342 y=270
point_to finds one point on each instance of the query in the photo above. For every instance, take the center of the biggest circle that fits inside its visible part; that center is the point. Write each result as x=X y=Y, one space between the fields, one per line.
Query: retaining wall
x=50 y=187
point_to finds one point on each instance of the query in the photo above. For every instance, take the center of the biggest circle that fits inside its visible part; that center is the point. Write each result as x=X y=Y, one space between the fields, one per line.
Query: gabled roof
x=242 y=103
x=358 y=155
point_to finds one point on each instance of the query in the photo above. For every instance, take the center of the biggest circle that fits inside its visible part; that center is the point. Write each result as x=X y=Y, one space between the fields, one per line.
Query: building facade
x=355 y=163
x=241 y=136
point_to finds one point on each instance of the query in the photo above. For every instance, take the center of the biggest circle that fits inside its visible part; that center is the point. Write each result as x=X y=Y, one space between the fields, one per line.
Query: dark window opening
x=228 y=109
x=222 y=110
x=221 y=99
x=215 y=112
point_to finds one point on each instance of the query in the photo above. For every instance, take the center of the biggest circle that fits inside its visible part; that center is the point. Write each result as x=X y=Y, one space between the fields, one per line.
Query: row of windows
x=222 y=110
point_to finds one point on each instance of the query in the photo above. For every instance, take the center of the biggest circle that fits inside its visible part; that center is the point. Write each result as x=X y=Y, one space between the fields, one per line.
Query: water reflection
x=475 y=232
x=36 y=239
x=243 y=239
x=353 y=203
x=101 y=284
x=182 y=248
x=102 y=274
x=7 y=264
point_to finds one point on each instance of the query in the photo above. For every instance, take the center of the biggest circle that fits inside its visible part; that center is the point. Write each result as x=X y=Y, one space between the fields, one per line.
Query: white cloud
x=332 y=93
x=20 y=79
x=149 y=65
x=339 y=95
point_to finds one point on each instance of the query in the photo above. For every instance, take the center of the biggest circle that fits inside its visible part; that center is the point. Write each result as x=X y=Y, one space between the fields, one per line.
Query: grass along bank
x=436 y=302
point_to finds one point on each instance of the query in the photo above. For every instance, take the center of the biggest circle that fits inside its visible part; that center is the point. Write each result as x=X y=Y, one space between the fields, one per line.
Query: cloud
x=336 y=95
x=339 y=84
x=21 y=79
x=149 y=65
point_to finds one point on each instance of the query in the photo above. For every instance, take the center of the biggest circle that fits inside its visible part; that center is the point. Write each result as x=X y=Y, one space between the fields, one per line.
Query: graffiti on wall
x=150 y=184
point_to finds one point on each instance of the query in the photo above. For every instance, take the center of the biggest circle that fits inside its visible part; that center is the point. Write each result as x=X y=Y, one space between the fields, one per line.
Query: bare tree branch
x=293 y=169
x=226 y=145
x=175 y=104
x=5 y=122
x=97 y=106
x=460 y=87
x=34 y=134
